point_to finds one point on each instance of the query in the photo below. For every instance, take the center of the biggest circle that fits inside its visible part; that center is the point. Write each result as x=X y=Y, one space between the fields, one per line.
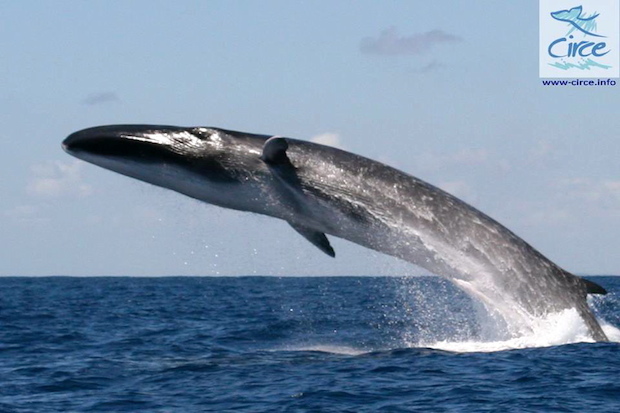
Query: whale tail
x=592 y=287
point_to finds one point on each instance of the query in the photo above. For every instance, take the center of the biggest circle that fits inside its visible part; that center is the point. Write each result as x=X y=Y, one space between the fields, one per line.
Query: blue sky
x=446 y=91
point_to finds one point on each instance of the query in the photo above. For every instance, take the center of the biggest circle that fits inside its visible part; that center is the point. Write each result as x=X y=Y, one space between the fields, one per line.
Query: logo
x=581 y=41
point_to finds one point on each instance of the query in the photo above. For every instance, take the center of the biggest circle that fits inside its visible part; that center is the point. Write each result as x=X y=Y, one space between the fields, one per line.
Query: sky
x=446 y=91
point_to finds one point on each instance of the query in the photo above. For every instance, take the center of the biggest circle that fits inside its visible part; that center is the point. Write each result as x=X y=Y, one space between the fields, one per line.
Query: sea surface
x=313 y=344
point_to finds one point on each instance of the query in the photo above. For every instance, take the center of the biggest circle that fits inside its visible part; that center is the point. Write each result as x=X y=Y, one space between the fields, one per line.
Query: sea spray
x=445 y=318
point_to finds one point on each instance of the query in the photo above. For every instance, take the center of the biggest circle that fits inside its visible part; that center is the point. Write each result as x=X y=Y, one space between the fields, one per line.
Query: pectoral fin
x=317 y=238
x=274 y=155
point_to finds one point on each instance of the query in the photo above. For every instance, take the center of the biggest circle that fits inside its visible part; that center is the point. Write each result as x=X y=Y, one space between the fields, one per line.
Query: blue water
x=263 y=344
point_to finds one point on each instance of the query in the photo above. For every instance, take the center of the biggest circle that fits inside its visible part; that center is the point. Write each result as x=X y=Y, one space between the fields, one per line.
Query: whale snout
x=101 y=136
x=81 y=140
x=119 y=140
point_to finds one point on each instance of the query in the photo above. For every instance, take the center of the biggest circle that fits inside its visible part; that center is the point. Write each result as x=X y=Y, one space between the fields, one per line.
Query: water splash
x=556 y=329
x=445 y=318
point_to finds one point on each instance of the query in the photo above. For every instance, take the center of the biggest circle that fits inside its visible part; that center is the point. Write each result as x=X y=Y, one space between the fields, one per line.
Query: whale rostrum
x=321 y=190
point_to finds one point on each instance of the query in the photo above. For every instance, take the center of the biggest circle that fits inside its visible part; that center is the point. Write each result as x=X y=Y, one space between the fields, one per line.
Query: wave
x=328 y=348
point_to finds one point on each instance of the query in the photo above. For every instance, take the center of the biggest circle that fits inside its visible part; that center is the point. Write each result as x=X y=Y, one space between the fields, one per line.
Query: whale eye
x=203 y=133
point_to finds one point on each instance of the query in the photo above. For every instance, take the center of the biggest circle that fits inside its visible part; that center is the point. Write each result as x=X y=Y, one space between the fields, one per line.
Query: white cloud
x=432 y=66
x=100 y=98
x=613 y=187
x=391 y=43
x=328 y=138
x=464 y=157
x=459 y=189
x=55 y=178
x=25 y=214
x=545 y=154
x=604 y=193
x=542 y=149
x=547 y=216
x=22 y=211
x=572 y=200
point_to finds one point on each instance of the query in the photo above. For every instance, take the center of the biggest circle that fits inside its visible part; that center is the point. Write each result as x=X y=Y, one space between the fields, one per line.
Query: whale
x=323 y=191
x=576 y=18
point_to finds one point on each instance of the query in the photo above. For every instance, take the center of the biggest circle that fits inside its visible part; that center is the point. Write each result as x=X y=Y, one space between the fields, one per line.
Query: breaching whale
x=323 y=190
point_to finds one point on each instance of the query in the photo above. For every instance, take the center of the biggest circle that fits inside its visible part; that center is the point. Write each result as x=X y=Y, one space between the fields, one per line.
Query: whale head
x=196 y=161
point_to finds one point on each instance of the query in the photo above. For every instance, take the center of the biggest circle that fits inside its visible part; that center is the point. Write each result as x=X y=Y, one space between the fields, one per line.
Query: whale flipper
x=317 y=238
x=274 y=154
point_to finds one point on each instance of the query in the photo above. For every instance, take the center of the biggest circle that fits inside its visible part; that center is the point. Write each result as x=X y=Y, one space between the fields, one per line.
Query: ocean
x=291 y=344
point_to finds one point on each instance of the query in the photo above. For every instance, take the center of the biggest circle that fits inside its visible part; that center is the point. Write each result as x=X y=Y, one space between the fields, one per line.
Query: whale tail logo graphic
x=578 y=20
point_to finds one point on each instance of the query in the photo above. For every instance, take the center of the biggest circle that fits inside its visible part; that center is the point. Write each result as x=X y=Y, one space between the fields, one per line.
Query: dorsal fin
x=274 y=151
x=319 y=239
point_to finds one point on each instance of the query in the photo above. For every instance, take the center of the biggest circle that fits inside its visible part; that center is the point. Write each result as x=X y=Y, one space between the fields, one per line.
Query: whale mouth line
x=131 y=149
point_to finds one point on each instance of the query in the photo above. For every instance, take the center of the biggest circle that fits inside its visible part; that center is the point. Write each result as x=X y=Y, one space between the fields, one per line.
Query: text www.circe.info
x=580 y=82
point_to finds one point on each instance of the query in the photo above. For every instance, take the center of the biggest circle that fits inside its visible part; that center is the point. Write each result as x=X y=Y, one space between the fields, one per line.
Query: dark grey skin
x=322 y=190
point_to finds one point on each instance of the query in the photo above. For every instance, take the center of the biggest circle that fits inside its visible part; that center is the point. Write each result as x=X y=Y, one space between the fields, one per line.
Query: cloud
x=572 y=200
x=328 y=138
x=544 y=153
x=25 y=214
x=547 y=216
x=54 y=178
x=613 y=187
x=459 y=189
x=390 y=43
x=430 y=67
x=464 y=157
x=542 y=149
x=100 y=98
x=604 y=193
x=20 y=212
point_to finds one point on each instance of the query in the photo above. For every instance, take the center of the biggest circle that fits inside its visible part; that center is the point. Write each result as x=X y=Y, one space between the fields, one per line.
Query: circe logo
x=579 y=40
